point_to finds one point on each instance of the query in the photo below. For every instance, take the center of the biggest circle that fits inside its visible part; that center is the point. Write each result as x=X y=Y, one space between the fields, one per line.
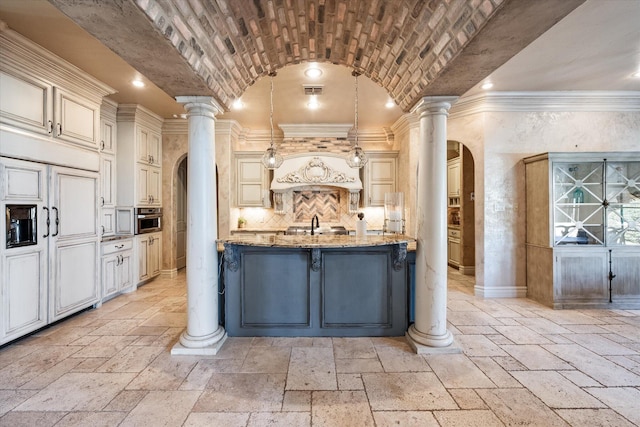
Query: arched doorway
x=460 y=208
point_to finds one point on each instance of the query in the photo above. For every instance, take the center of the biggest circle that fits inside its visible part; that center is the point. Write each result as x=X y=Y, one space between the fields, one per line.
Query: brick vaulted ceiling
x=412 y=48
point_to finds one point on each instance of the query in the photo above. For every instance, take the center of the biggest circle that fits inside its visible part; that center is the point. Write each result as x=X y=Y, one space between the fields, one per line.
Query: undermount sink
x=301 y=230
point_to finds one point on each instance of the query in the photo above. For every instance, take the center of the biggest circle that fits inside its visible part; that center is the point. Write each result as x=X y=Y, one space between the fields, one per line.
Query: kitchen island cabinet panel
x=356 y=297
x=275 y=293
x=315 y=291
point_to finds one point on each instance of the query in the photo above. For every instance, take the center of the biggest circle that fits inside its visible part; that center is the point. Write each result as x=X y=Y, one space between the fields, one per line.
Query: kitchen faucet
x=315 y=217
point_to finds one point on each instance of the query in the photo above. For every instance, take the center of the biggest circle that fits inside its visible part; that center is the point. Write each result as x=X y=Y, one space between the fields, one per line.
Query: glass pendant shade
x=356 y=157
x=271 y=159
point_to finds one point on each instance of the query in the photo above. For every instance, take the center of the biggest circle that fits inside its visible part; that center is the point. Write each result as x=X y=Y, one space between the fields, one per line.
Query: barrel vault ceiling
x=411 y=48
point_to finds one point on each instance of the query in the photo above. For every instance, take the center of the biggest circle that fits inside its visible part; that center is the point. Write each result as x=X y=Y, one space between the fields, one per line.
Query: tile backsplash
x=263 y=218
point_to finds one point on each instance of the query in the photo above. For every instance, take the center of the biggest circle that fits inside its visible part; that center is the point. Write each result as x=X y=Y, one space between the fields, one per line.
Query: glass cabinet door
x=579 y=213
x=623 y=196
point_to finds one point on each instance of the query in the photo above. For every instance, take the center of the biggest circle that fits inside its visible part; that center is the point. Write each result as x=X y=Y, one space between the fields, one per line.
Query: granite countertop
x=321 y=241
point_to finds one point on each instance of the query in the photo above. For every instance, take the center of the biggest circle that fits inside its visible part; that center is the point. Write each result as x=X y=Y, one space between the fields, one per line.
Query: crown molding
x=557 y=101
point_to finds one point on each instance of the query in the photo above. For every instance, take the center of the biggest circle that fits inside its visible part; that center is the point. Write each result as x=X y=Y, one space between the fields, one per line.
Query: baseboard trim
x=500 y=291
x=169 y=274
x=467 y=270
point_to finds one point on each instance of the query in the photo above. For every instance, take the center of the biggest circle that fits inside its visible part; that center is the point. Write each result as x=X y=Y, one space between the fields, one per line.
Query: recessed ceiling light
x=313 y=71
x=137 y=83
x=237 y=104
x=390 y=104
x=636 y=75
x=486 y=85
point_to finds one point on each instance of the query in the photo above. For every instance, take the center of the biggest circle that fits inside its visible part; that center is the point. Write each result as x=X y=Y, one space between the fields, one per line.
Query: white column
x=203 y=336
x=430 y=328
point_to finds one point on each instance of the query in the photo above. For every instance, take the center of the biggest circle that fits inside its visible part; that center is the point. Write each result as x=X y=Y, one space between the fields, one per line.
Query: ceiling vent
x=312 y=89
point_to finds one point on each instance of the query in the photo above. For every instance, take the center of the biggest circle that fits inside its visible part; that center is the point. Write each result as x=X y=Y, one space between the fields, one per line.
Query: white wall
x=499 y=140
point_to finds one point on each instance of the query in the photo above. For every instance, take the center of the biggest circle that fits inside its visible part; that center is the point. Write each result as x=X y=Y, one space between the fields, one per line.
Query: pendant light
x=356 y=157
x=271 y=158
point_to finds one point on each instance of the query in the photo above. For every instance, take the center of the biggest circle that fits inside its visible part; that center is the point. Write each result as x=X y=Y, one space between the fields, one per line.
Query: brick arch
x=401 y=45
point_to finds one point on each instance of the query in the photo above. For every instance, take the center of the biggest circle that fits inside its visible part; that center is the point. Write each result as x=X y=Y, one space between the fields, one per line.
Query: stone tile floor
x=522 y=364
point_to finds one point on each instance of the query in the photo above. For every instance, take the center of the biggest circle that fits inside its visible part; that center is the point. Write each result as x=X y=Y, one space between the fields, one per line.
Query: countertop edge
x=312 y=242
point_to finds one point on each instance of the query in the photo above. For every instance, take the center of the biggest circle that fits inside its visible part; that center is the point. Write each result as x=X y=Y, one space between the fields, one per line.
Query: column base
x=423 y=343
x=208 y=345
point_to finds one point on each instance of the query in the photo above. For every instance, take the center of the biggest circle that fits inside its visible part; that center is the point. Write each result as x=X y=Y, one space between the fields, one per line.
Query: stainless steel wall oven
x=148 y=220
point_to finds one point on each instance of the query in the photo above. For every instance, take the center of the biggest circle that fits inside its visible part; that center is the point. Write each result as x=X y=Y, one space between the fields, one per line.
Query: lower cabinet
x=117 y=267
x=453 y=247
x=575 y=277
x=149 y=249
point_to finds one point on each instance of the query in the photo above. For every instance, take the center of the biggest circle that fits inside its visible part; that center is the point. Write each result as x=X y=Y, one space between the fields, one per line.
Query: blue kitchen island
x=316 y=285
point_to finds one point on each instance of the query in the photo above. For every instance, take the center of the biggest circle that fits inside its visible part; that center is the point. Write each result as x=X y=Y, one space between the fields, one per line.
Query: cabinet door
x=74 y=242
x=143 y=258
x=109 y=275
x=155 y=254
x=581 y=276
x=23 y=292
x=453 y=246
x=125 y=271
x=108 y=223
x=76 y=119
x=380 y=179
x=107 y=180
x=149 y=146
x=154 y=186
x=74 y=206
x=142 y=195
x=251 y=182
x=108 y=136
x=155 y=148
x=26 y=102
x=453 y=178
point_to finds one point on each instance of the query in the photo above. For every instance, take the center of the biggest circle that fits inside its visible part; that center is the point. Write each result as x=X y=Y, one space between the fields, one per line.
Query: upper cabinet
x=380 y=177
x=149 y=146
x=139 y=157
x=453 y=181
x=47 y=97
x=252 y=181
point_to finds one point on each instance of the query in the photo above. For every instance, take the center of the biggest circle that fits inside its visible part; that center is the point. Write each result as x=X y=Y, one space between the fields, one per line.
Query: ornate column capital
x=430 y=105
x=200 y=105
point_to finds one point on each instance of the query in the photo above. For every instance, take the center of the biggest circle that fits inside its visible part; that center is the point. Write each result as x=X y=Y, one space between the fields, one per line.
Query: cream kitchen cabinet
x=454 y=178
x=148 y=181
x=139 y=156
x=453 y=247
x=252 y=181
x=37 y=106
x=108 y=168
x=58 y=275
x=117 y=267
x=380 y=176
x=149 y=146
x=149 y=250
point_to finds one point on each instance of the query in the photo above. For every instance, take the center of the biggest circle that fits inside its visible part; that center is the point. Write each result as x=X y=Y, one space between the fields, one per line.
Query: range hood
x=316 y=170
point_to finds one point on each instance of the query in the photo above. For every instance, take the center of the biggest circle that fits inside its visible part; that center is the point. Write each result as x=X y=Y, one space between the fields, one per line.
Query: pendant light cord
x=355 y=74
x=271 y=107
